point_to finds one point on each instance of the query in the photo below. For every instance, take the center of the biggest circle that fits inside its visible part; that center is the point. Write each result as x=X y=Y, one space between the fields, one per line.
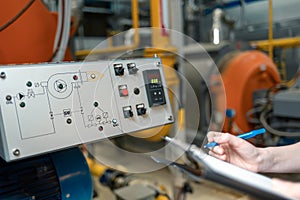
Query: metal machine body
x=287 y=103
x=256 y=97
x=61 y=175
x=243 y=74
x=52 y=107
x=48 y=107
x=282 y=115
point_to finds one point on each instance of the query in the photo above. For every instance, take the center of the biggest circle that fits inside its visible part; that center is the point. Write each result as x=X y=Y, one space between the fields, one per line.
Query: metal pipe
x=217 y=26
x=135 y=13
x=282 y=43
x=270 y=30
x=155 y=7
x=135 y=21
x=243 y=13
x=160 y=37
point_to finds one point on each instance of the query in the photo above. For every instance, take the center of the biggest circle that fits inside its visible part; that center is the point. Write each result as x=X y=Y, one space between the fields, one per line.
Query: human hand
x=234 y=150
x=287 y=188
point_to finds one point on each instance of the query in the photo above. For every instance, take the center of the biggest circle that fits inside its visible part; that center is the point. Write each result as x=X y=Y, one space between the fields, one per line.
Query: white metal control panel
x=46 y=107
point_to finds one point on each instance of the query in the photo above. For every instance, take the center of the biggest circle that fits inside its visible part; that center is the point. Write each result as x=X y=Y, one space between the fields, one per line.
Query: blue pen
x=244 y=136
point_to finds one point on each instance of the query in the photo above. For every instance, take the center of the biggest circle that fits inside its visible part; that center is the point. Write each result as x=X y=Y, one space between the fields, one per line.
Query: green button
x=22 y=104
x=60 y=86
x=29 y=84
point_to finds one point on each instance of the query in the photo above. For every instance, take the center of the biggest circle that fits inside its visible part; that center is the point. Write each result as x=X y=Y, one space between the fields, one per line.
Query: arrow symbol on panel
x=20 y=96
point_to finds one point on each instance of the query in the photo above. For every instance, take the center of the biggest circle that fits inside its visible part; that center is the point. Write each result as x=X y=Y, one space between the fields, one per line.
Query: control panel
x=47 y=107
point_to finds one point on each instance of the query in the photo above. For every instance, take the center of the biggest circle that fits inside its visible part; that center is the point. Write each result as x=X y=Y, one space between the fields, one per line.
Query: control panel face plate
x=47 y=107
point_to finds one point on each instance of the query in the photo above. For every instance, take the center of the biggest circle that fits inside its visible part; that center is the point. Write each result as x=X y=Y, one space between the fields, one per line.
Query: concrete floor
x=201 y=191
x=205 y=190
x=162 y=176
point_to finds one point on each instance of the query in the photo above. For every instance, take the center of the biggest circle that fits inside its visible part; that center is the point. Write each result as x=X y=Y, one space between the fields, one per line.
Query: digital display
x=154 y=80
x=153 y=76
x=154 y=88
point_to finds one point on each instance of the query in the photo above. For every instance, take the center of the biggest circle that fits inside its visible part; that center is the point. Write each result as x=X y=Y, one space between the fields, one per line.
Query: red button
x=124 y=92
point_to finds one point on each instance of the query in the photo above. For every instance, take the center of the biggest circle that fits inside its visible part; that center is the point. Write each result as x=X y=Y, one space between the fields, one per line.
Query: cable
x=66 y=29
x=59 y=25
x=263 y=120
x=17 y=16
x=65 y=33
x=251 y=112
x=293 y=80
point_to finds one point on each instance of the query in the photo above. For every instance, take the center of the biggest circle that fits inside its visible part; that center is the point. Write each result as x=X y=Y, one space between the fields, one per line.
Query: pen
x=244 y=136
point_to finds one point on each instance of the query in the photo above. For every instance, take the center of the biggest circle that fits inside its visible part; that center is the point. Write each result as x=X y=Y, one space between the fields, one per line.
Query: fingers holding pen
x=218 y=150
x=216 y=155
x=212 y=135
x=223 y=138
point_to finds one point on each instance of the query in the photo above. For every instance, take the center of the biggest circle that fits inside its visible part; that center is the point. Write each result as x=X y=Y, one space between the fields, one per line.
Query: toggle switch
x=127 y=111
x=119 y=69
x=140 y=109
x=132 y=69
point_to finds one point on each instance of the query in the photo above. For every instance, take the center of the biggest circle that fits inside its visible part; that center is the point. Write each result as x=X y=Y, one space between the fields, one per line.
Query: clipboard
x=251 y=183
x=224 y=173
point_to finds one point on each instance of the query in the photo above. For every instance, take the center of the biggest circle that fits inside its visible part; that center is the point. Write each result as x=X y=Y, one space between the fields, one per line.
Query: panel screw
x=93 y=76
x=16 y=152
x=170 y=118
x=2 y=75
x=158 y=64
